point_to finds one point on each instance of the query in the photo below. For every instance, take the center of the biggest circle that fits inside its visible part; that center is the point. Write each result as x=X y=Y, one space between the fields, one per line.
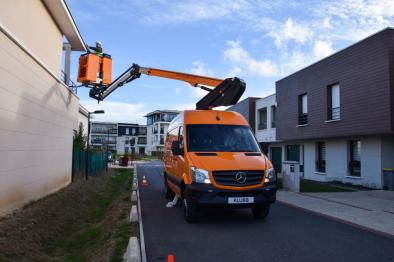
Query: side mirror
x=175 y=148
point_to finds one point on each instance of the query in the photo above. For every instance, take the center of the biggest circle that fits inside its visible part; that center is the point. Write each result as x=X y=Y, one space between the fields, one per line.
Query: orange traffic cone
x=170 y=258
x=144 y=181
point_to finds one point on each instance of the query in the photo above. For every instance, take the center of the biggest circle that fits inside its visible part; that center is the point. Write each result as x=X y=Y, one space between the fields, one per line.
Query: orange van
x=212 y=159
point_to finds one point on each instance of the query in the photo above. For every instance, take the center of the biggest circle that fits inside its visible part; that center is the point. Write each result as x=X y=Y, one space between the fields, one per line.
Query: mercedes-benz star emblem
x=240 y=177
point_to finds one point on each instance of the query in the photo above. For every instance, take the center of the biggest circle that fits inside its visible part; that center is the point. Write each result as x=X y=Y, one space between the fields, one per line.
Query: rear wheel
x=261 y=211
x=190 y=211
x=169 y=194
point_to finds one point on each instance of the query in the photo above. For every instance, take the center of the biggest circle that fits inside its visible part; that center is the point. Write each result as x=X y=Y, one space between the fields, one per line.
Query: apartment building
x=131 y=139
x=247 y=108
x=157 y=123
x=121 y=138
x=38 y=112
x=336 y=117
x=103 y=135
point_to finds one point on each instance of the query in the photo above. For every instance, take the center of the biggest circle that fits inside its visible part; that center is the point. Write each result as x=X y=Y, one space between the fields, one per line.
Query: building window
x=355 y=158
x=302 y=109
x=127 y=131
x=133 y=131
x=321 y=157
x=142 y=140
x=333 y=103
x=293 y=153
x=262 y=119
x=273 y=116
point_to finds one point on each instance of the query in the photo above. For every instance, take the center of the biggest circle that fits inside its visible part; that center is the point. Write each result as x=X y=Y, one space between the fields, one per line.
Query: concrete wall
x=30 y=22
x=269 y=134
x=337 y=157
x=37 y=114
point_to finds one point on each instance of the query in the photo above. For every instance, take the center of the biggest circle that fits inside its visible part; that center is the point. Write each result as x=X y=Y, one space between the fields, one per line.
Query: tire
x=169 y=194
x=190 y=211
x=261 y=211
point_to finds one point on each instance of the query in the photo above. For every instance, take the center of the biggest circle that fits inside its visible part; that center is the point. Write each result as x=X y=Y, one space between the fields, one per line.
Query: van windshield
x=220 y=138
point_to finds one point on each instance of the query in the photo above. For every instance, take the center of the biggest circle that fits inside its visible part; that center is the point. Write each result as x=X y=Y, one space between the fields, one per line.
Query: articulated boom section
x=223 y=92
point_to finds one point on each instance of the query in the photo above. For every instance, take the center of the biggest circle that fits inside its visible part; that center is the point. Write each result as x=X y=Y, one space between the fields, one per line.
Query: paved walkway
x=372 y=210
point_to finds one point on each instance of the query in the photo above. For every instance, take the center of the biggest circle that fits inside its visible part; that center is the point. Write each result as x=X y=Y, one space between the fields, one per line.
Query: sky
x=258 y=41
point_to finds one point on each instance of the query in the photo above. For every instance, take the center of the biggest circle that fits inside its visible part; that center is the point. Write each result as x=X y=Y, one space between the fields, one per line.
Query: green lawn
x=309 y=186
x=104 y=225
x=313 y=186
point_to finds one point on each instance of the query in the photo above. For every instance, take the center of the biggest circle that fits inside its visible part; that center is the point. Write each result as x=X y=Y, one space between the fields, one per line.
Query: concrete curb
x=133 y=251
x=136 y=249
x=133 y=214
x=340 y=220
x=134 y=196
x=142 y=237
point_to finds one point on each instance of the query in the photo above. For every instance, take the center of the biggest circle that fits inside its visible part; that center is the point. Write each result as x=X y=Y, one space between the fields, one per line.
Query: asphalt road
x=287 y=234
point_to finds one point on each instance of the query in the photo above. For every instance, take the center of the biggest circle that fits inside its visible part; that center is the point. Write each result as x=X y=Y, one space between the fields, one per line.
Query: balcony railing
x=103 y=131
x=262 y=126
x=303 y=119
x=334 y=113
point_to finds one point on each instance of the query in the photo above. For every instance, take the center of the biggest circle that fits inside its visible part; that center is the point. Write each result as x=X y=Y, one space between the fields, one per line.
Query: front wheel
x=190 y=211
x=261 y=211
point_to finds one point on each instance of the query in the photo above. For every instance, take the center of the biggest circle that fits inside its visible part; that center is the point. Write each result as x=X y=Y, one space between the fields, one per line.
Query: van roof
x=213 y=117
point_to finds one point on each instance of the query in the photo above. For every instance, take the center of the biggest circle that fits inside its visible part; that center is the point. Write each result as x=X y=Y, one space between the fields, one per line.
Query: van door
x=180 y=161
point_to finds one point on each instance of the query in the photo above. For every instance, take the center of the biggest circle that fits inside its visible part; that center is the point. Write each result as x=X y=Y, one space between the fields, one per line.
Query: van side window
x=180 y=137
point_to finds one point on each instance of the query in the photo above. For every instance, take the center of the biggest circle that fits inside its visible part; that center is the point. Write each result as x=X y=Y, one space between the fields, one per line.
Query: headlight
x=270 y=176
x=200 y=175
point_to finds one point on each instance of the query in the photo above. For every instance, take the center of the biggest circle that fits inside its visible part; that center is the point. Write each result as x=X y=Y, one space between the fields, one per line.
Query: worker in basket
x=97 y=50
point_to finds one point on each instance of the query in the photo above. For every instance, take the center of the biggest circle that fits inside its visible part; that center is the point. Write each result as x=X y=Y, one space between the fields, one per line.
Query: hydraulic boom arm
x=224 y=92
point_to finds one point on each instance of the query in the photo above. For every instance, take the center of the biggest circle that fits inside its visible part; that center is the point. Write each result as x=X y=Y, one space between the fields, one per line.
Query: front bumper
x=208 y=195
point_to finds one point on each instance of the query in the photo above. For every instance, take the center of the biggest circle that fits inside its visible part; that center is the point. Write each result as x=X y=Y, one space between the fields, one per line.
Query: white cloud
x=235 y=53
x=200 y=68
x=290 y=30
x=322 y=49
x=117 y=111
x=175 y=12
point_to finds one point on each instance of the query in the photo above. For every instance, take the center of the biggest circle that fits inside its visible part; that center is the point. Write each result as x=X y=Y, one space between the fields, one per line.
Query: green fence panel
x=97 y=162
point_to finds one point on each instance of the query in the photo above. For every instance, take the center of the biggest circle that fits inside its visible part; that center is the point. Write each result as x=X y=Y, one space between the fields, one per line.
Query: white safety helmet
x=98 y=43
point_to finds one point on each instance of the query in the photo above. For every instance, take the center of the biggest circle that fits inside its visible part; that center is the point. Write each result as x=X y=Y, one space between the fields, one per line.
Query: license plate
x=240 y=200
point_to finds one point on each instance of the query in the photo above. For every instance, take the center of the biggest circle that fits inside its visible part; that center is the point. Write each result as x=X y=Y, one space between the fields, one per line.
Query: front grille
x=228 y=178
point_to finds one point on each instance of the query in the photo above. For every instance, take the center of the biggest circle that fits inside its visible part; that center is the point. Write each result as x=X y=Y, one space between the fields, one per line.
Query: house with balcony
x=157 y=124
x=335 y=118
x=103 y=136
x=121 y=138
x=131 y=139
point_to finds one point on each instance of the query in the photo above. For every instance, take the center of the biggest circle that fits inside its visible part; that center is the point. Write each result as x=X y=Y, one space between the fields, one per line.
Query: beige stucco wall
x=37 y=116
x=30 y=22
